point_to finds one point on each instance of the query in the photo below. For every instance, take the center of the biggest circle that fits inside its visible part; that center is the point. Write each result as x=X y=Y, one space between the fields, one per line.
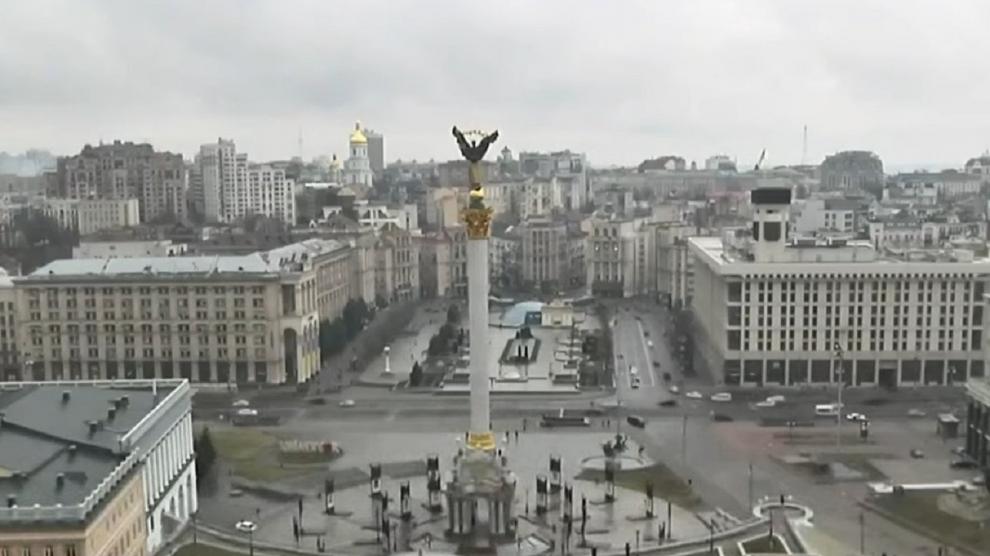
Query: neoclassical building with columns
x=95 y=467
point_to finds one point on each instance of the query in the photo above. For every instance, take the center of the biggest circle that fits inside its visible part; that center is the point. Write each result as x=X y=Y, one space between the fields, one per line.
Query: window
x=49 y=550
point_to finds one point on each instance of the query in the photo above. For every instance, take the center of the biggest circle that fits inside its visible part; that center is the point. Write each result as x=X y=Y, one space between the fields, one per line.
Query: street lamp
x=388 y=363
x=249 y=527
x=840 y=375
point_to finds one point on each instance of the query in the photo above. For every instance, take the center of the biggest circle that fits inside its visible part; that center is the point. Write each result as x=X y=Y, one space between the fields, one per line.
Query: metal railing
x=77 y=512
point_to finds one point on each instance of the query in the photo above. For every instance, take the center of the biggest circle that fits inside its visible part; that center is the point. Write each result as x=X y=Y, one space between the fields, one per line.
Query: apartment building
x=544 y=253
x=103 y=469
x=231 y=188
x=118 y=171
x=772 y=310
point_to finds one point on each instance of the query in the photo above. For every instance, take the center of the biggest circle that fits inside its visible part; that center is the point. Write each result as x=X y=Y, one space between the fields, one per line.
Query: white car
x=694 y=395
x=633 y=371
x=346 y=403
x=241 y=403
x=674 y=390
x=649 y=343
x=765 y=403
x=856 y=417
x=916 y=413
x=722 y=397
x=776 y=399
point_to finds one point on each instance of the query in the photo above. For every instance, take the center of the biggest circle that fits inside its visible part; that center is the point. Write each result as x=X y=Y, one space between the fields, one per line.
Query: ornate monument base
x=479 y=499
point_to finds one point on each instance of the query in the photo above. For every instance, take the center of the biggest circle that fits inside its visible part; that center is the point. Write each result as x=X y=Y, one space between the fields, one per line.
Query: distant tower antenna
x=804 y=147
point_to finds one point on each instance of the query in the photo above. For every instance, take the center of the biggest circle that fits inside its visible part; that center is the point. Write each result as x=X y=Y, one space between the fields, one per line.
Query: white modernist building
x=771 y=310
x=231 y=188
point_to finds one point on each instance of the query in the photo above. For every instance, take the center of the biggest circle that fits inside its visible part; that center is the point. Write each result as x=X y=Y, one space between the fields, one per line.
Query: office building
x=250 y=318
x=376 y=151
x=101 y=469
x=88 y=216
x=620 y=257
x=128 y=170
x=772 y=310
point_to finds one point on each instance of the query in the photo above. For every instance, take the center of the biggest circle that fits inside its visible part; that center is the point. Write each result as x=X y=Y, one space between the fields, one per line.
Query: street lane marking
x=646 y=350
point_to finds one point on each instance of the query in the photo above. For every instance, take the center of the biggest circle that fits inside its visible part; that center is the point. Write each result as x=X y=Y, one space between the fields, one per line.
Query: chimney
x=111 y=413
x=59 y=481
x=72 y=451
x=11 y=501
x=93 y=425
x=65 y=396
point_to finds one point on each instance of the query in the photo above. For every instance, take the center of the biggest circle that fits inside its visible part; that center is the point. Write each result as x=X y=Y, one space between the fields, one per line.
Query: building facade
x=376 y=151
x=544 y=253
x=231 y=188
x=770 y=310
x=113 y=471
x=88 y=216
x=225 y=319
x=978 y=422
x=357 y=167
x=846 y=170
x=128 y=171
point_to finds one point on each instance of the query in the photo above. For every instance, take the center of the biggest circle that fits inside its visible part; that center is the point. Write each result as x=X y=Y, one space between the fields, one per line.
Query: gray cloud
x=620 y=81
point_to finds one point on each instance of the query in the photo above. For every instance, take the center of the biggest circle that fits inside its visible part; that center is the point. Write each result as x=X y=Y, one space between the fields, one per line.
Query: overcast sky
x=907 y=79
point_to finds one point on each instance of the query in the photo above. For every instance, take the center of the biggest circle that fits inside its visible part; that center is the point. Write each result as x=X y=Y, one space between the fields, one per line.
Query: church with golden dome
x=357 y=167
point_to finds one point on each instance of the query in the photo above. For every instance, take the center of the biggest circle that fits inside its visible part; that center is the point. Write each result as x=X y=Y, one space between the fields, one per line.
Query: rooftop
x=58 y=442
x=290 y=256
x=154 y=266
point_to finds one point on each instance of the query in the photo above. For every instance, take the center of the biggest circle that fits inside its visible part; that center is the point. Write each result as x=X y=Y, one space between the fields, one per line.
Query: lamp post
x=388 y=363
x=249 y=527
x=840 y=375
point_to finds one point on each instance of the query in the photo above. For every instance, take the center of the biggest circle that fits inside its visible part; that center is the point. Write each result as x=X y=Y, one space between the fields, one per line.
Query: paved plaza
x=402 y=455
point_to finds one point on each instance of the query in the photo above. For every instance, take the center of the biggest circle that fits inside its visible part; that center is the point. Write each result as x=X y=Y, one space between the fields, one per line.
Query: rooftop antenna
x=804 y=147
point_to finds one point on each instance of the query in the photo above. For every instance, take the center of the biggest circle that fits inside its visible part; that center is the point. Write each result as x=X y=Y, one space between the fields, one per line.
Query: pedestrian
x=517 y=436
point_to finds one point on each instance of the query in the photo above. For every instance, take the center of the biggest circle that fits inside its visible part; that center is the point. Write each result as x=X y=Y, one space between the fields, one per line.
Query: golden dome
x=358 y=135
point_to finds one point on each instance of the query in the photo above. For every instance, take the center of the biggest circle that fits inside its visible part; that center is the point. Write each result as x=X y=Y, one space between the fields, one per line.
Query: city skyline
x=741 y=78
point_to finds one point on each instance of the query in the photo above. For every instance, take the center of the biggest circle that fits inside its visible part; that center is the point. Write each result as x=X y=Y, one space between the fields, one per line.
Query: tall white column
x=478 y=314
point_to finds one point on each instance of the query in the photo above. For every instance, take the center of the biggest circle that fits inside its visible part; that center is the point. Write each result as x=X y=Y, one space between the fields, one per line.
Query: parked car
x=649 y=343
x=669 y=403
x=694 y=395
x=916 y=453
x=722 y=397
x=963 y=464
x=979 y=480
x=346 y=403
x=674 y=389
x=959 y=450
x=241 y=403
x=914 y=412
x=856 y=417
x=636 y=421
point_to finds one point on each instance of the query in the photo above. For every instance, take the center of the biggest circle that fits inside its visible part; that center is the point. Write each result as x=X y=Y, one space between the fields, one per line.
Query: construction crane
x=763 y=155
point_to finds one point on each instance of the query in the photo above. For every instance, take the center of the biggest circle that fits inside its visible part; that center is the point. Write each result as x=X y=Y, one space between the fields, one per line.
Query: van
x=827 y=410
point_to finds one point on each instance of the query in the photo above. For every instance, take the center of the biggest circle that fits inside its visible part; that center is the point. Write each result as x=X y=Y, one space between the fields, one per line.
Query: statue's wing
x=488 y=140
x=461 y=142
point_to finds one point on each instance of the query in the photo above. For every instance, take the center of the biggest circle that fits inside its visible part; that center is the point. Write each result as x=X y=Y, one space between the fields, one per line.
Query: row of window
x=146 y=290
x=149 y=353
